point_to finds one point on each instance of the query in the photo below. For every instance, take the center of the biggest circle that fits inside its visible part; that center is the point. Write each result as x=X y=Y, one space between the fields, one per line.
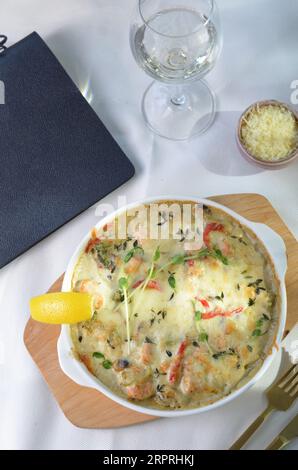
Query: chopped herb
x=203 y=336
x=118 y=296
x=80 y=338
x=160 y=388
x=148 y=340
x=248 y=277
x=227 y=352
x=251 y=302
x=222 y=295
x=258 y=289
x=265 y=316
x=257 y=332
x=136 y=314
x=107 y=364
x=238 y=286
x=169 y=353
x=98 y=355
x=195 y=344
x=249 y=347
x=243 y=272
x=157 y=372
x=172 y=281
x=110 y=344
x=172 y=295
x=255 y=283
x=163 y=218
x=217 y=297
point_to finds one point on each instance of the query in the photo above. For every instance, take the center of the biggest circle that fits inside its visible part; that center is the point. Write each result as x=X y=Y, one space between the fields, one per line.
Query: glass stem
x=178 y=97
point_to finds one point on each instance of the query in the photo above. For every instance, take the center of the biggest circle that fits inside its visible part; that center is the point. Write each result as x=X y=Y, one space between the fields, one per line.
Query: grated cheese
x=270 y=132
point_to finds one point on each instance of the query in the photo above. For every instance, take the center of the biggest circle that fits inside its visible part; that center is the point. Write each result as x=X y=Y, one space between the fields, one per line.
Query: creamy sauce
x=192 y=340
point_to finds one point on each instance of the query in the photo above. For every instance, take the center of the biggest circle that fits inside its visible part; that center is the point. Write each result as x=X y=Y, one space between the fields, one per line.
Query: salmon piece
x=133 y=265
x=86 y=361
x=164 y=366
x=211 y=227
x=147 y=353
x=176 y=364
x=230 y=327
x=88 y=286
x=141 y=391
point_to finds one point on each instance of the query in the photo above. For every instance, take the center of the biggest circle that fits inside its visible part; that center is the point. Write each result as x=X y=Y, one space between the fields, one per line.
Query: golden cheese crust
x=176 y=328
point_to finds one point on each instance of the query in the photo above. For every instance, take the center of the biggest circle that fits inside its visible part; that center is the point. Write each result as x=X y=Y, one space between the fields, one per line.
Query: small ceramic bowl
x=244 y=151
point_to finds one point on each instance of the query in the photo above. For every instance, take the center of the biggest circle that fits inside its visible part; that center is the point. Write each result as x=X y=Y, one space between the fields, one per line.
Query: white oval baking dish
x=78 y=372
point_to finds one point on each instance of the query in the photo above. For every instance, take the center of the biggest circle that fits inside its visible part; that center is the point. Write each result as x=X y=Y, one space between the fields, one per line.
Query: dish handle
x=275 y=245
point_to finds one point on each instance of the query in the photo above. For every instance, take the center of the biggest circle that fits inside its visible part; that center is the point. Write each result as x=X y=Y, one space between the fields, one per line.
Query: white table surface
x=90 y=37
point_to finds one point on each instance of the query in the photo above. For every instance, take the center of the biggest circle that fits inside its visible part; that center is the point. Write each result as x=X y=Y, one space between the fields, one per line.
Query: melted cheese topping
x=191 y=340
x=270 y=132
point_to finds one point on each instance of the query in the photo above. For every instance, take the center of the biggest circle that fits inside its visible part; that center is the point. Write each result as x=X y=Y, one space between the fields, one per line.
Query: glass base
x=179 y=112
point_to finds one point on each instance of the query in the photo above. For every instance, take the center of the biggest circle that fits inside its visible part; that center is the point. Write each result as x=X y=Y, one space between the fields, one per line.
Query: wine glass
x=177 y=42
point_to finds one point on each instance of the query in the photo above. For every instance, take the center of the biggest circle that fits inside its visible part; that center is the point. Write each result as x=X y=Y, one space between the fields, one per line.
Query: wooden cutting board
x=88 y=408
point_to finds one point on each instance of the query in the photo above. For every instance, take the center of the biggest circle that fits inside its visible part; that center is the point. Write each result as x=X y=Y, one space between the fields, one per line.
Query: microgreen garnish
x=198 y=315
x=123 y=285
x=136 y=249
x=217 y=254
x=156 y=255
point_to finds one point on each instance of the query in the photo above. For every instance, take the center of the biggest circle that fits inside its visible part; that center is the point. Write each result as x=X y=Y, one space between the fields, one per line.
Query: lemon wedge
x=62 y=307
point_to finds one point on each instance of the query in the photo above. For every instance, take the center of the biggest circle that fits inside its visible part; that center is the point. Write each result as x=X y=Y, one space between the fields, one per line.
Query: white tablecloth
x=90 y=37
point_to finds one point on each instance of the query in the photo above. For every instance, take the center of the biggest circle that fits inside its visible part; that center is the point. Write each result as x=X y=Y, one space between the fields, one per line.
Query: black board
x=56 y=157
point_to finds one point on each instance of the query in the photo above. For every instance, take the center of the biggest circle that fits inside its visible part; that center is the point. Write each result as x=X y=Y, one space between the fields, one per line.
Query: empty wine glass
x=177 y=42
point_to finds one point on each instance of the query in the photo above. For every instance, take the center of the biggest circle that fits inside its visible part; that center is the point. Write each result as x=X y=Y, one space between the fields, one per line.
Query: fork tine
x=283 y=382
x=293 y=387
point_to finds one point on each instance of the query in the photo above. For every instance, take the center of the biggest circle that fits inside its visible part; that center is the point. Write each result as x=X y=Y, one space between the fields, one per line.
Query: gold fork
x=280 y=396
